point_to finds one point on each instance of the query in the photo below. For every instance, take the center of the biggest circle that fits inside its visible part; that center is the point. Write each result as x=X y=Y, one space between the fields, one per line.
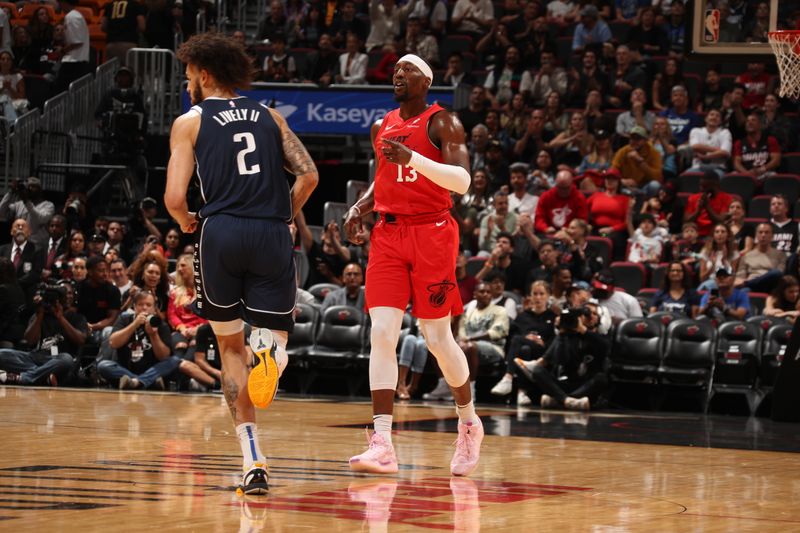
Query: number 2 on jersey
x=250 y=147
x=406 y=173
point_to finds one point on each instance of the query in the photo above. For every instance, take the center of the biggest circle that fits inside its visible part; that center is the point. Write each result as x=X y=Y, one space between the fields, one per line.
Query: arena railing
x=158 y=76
x=63 y=132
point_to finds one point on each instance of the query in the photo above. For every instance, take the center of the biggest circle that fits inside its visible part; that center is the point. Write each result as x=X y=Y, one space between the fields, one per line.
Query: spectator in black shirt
x=347 y=22
x=323 y=63
x=142 y=344
x=273 y=23
x=475 y=112
x=529 y=336
x=647 y=38
x=12 y=303
x=123 y=21
x=589 y=78
x=56 y=331
x=570 y=372
x=98 y=300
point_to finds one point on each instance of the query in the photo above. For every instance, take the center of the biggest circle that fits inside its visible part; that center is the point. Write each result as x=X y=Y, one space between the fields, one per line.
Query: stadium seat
x=790 y=162
x=301 y=339
x=689 y=182
x=665 y=317
x=645 y=296
x=334 y=211
x=321 y=290
x=775 y=343
x=764 y=323
x=759 y=206
x=637 y=351
x=738 y=361
x=629 y=276
x=785 y=184
x=303 y=267
x=657 y=274
x=744 y=186
x=354 y=189
x=339 y=340
x=475 y=264
x=757 y=302
x=603 y=247
x=689 y=353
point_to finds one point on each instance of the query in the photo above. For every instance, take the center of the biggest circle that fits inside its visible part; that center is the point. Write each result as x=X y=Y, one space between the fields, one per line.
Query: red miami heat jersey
x=401 y=190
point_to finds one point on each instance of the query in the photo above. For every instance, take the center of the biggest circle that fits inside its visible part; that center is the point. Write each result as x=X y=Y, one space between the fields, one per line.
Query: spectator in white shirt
x=520 y=201
x=75 y=54
x=472 y=17
x=711 y=145
x=386 y=20
x=620 y=304
x=352 y=63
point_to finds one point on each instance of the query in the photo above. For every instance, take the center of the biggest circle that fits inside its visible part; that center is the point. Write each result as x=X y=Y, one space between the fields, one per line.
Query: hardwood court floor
x=105 y=460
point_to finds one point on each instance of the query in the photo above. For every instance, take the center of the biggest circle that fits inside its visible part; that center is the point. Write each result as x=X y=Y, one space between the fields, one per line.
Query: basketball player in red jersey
x=421 y=157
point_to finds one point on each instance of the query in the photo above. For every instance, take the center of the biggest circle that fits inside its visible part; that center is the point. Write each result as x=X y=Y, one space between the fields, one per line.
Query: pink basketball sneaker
x=468 y=448
x=378 y=459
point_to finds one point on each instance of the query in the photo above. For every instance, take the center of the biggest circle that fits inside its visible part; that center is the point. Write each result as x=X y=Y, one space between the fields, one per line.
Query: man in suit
x=56 y=243
x=27 y=260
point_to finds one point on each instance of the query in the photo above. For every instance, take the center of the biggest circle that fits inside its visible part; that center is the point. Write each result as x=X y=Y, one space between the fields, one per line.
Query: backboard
x=736 y=30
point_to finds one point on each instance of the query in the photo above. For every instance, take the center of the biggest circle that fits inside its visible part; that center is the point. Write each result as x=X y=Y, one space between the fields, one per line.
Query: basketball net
x=786 y=46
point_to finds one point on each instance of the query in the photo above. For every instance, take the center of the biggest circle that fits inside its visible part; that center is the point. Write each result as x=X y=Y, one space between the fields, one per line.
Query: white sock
x=248 y=440
x=383 y=426
x=466 y=413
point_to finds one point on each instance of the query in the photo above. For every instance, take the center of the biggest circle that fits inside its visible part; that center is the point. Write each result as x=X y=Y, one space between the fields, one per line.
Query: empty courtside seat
x=766 y=322
x=305 y=329
x=637 y=351
x=790 y=162
x=689 y=353
x=629 y=276
x=321 y=290
x=334 y=212
x=738 y=354
x=339 y=340
x=775 y=343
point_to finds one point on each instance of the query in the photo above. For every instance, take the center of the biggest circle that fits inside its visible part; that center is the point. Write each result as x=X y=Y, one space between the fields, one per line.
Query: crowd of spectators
x=609 y=153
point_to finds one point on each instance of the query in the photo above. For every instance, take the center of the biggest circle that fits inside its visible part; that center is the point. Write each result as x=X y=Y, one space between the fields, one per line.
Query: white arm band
x=451 y=177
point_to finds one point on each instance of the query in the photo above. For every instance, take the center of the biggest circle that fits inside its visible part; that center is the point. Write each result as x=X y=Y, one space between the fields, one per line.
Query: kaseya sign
x=332 y=110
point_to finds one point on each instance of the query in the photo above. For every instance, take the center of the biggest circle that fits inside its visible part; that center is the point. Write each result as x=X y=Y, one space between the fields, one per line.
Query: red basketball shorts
x=414 y=262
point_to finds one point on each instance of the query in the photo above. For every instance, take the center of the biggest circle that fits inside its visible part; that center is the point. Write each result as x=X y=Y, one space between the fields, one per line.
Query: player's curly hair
x=223 y=58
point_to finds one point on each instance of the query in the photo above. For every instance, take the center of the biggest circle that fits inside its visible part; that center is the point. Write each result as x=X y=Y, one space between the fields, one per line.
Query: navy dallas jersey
x=240 y=160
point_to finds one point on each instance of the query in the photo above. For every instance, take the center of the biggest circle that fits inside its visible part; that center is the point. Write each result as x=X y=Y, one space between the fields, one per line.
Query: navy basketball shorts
x=244 y=268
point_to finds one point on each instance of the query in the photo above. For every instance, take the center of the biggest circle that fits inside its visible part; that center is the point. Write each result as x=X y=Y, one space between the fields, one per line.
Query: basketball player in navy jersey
x=421 y=157
x=243 y=253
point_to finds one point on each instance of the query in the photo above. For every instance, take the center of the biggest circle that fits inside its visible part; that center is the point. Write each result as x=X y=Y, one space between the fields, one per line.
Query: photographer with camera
x=56 y=331
x=121 y=116
x=24 y=200
x=142 y=343
x=571 y=371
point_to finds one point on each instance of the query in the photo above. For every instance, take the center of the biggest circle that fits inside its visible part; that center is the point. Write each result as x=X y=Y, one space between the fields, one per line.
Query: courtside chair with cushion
x=689 y=356
x=338 y=343
x=738 y=361
x=637 y=351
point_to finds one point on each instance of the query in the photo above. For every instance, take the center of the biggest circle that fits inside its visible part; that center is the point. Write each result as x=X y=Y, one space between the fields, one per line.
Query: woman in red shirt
x=179 y=311
x=608 y=212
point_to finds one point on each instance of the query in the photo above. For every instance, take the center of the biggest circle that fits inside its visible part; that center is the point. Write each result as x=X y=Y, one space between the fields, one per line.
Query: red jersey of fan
x=401 y=190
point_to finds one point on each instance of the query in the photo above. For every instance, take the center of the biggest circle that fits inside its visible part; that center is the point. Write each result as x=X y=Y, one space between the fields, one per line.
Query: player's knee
x=439 y=341
x=384 y=336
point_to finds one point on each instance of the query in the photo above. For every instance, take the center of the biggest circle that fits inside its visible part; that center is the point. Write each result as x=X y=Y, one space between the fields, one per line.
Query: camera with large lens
x=570 y=318
x=154 y=321
x=51 y=295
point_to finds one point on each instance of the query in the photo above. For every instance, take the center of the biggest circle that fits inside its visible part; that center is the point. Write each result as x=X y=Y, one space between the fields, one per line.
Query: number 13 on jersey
x=406 y=173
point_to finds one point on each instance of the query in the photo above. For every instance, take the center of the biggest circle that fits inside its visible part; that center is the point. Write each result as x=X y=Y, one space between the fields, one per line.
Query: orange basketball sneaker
x=262 y=383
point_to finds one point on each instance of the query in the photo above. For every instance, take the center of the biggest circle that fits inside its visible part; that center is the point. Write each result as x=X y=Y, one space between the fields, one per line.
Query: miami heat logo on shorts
x=438 y=292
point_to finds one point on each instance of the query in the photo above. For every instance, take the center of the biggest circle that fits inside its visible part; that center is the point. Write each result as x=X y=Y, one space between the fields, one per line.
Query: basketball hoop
x=786 y=46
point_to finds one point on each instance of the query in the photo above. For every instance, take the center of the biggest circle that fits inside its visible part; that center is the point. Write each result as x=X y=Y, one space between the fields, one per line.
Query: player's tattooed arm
x=297 y=161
